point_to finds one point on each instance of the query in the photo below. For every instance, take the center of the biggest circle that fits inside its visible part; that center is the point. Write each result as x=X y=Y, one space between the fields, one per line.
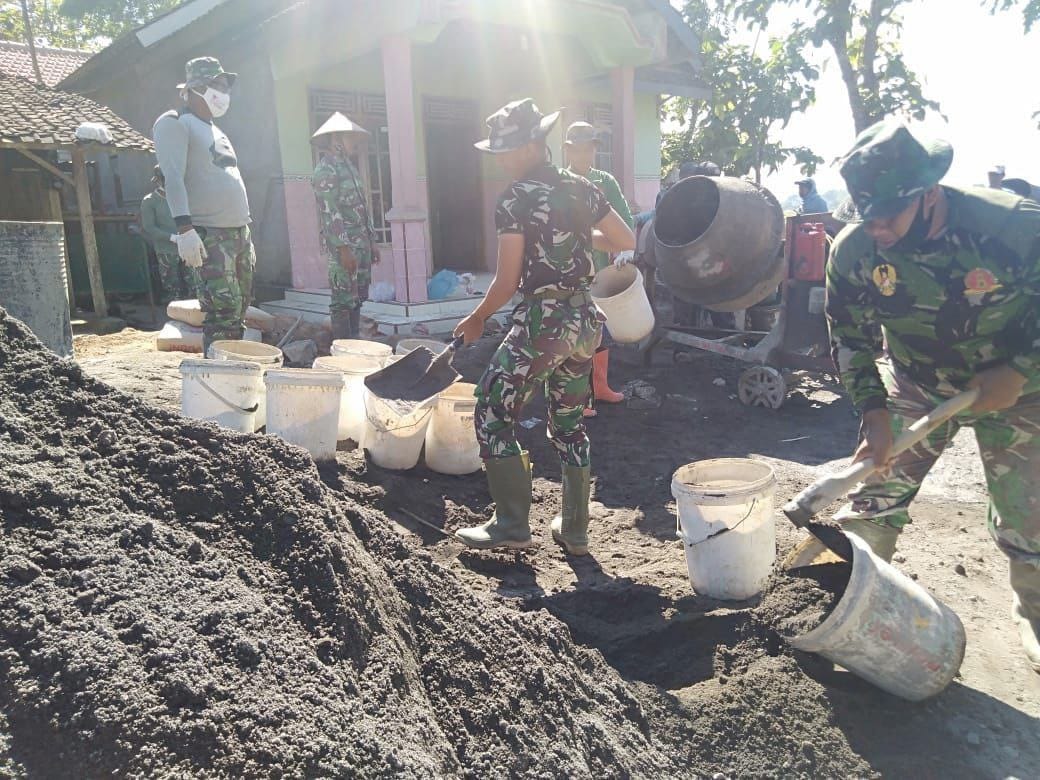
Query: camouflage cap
x=515 y=125
x=200 y=71
x=582 y=133
x=887 y=168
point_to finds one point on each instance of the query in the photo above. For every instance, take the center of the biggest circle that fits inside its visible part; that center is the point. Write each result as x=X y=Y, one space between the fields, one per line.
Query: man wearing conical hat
x=952 y=277
x=549 y=221
x=346 y=227
x=207 y=198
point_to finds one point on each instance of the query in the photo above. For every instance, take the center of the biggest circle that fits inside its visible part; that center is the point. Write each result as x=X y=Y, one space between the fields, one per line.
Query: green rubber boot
x=881 y=538
x=570 y=527
x=509 y=480
x=1025 y=610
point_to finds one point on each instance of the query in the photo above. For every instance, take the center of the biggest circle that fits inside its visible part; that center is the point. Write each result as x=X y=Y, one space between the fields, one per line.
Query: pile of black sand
x=178 y=600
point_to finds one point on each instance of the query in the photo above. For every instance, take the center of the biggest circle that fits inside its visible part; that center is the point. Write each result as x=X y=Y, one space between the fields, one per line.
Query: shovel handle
x=810 y=501
x=456 y=342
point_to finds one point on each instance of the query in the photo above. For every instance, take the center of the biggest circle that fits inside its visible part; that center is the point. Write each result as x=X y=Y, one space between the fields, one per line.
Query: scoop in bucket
x=415 y=379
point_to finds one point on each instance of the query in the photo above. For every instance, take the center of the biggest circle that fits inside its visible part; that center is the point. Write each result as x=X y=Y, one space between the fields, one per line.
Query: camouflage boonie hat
x=200 y=71
x=515 y=125
x=582 y=133
x=887 y=168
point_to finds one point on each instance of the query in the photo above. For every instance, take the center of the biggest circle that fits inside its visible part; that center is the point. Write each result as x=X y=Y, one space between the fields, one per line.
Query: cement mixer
x=722 y=244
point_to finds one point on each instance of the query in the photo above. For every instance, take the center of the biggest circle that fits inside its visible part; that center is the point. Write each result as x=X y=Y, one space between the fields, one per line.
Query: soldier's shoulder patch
x=885 y=279
x=981 y=281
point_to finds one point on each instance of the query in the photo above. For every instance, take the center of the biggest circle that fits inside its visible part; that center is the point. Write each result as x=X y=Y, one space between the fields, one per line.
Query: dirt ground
x=631 y=599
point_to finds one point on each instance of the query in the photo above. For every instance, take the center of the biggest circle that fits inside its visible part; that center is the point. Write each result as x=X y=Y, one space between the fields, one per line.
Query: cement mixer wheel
x=762 y=386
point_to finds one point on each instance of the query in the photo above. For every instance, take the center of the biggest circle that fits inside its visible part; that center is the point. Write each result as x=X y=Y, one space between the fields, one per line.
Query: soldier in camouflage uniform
x=346 y=228
x=549 y=221
x=157 y=224
x=952 y=276
x=207 y=198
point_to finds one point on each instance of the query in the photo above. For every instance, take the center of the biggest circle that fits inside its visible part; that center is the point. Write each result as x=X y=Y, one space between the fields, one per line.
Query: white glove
x=173 y=238
x=191 y=249
x=624 y=258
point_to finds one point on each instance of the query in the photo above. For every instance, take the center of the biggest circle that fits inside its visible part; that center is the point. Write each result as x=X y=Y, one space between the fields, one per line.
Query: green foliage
x=1030 y=10
x=753 y=96
x=78 y=24
x=864 y=36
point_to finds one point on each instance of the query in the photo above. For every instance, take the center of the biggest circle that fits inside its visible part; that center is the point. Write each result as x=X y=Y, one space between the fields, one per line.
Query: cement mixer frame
x=797 y=339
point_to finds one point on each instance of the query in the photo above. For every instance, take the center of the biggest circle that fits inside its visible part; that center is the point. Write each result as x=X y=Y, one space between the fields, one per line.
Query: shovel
x=806 y=505
x=415 y=379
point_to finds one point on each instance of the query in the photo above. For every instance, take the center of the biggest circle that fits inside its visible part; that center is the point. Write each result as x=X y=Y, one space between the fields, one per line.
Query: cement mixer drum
x=718 y=242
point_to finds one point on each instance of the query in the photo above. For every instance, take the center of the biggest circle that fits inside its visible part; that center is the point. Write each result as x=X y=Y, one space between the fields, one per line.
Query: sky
x=982 y=69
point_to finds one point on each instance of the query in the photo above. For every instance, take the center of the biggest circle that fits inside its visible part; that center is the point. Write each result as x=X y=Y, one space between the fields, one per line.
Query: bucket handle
x=251 y=410
x=383 y=429
x=716 y=534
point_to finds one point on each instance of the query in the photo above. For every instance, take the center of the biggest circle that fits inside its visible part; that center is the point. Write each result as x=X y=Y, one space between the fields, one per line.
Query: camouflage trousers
x=226 y=288
x=1009 y=443
x=550 y=346
x=176 y=279
x=349 y=288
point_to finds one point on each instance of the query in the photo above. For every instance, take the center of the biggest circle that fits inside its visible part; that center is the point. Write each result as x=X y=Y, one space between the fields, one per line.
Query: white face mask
x=218 y=102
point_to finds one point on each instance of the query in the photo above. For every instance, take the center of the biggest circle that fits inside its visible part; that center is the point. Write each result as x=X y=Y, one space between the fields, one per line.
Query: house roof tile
x=55 y=64
x=35 y=115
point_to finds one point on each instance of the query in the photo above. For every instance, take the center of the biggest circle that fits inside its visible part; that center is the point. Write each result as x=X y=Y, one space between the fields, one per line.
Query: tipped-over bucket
x=717 y=242
x=620 y=294
x=725 y=519
x=886 y=628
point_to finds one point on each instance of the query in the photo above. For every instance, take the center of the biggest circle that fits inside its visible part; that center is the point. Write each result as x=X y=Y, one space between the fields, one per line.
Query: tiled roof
x=55 y=64
x=30 y=114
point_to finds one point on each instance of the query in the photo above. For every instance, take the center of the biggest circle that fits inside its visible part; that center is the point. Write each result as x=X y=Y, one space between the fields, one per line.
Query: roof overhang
x=173 y=22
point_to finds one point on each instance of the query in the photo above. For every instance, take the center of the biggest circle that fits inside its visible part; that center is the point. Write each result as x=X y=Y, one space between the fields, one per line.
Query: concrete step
x=319 y=297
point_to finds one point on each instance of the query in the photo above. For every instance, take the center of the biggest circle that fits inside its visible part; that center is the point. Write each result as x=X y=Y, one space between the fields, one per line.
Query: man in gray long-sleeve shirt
x=208 y=198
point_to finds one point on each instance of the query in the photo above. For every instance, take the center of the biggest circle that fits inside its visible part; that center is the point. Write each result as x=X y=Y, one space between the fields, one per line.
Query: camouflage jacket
x=555 y=211
x=342 y=206
x=961 y=303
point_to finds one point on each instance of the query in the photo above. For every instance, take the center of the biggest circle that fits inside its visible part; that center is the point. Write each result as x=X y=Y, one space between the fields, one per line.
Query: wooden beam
x=47 y=166
x=54 y=198
x=86 y=217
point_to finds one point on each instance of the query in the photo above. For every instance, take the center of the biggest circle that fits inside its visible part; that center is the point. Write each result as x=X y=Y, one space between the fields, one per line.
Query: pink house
x=421 y=75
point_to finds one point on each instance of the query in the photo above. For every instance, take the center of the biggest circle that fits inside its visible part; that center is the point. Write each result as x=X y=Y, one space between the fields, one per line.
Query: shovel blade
x=412 y=380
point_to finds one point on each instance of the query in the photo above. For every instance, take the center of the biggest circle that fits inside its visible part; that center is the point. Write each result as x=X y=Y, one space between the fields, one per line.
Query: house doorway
x=454 y=185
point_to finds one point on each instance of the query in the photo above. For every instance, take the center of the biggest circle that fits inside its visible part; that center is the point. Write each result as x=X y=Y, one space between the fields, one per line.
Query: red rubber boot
x=600 y=388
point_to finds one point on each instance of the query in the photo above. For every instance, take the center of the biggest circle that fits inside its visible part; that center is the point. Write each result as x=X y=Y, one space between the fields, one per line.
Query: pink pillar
x=408 y=219
x=622 y=81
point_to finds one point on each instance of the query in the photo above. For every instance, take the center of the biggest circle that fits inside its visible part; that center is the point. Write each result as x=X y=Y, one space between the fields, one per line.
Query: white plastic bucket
x=255 y=352
x=619 y=293
x=394 y=441
x=352 y=401
x=451 y=441
x=888 y=630
x=373 y=352
x=725 y=519
x=404 y=346
x=226 y=392
x=303 y=408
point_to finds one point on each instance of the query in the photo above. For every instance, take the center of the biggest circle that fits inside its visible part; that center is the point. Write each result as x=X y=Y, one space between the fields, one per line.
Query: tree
x=864 y=37
x=753 y=96
x=1030 y=10
x=78 y=24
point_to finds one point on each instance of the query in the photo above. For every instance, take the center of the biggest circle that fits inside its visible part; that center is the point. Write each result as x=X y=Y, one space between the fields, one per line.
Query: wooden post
x=86 y=220
x=55 y=202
